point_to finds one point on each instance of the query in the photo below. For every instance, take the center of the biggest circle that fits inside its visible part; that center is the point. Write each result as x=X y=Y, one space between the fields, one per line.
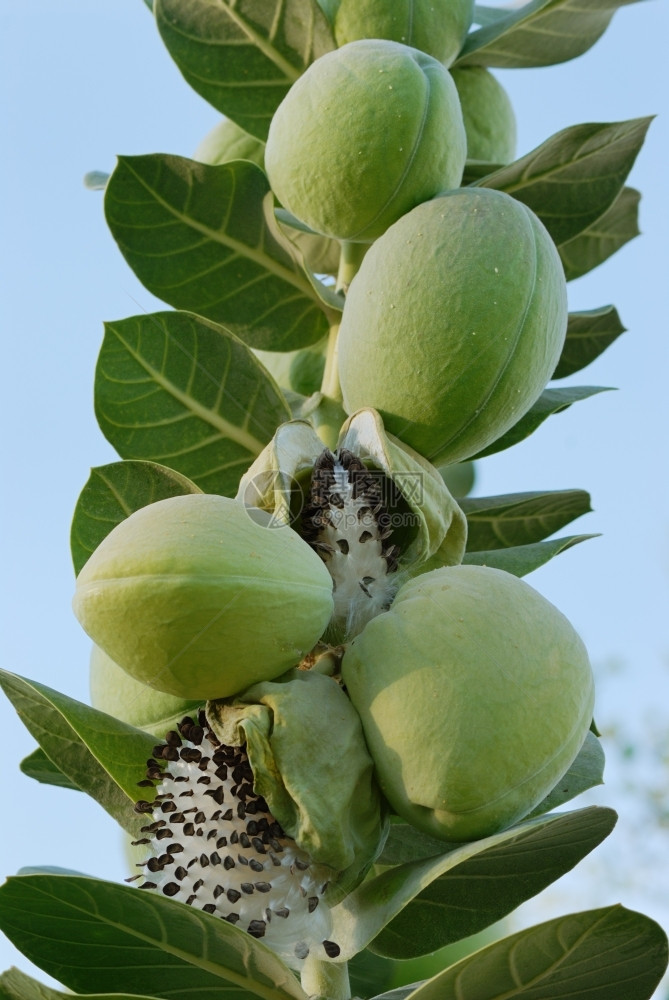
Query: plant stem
x=349 y=261
x=325 y=979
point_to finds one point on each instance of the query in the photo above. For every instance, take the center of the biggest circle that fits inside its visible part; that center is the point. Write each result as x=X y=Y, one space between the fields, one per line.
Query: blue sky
x=85 y=81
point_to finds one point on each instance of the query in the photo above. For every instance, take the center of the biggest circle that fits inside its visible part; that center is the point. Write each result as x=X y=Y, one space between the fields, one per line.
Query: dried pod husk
x=490 y=121
x=199 y=596
x=370 y=102
x=306 y=748
x=454 y=322
x=438 y=27
x=117 y=693
x=475 y=695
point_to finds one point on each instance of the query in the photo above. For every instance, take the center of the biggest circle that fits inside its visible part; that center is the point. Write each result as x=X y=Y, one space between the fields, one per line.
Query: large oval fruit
x=475 y=695
x=437 y=27
x=490 y=121
x=117 y=693
x=227 y=141
x=454 y=322
x=368 y=132
x=194 y=597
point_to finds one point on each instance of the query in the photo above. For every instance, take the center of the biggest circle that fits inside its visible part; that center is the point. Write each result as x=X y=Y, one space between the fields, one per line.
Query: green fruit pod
x=117 y=693
x=438 y=27
x=368 y=132
x=490 y=121
x=200 y=597
x=227 y=141
x=454 y=323
x=475 y=695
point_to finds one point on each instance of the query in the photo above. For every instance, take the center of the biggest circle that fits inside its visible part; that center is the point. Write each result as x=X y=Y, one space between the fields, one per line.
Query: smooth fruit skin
x=490 y=121
x=368 y=132
x=227 y=141
x=196 y=597
x=117 y=693
x=438 y=27
x=454 y=323
x=475 y=695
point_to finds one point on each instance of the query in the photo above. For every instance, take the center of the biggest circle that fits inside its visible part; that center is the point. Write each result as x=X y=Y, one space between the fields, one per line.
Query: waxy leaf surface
x=550 y=401
x=41 y=768
x=586 y=771
x=611 y=231
x=520 y=518
x=175 y=389
x=606 y=954
x=102 y=756
x=204 y=239
x=112 y=493
x=574 y=177
x=16 y=985
x=83 y=932
x=523 y=559
x=243 y=56
x=541 y=33
x=589 y=333
x=420 y=906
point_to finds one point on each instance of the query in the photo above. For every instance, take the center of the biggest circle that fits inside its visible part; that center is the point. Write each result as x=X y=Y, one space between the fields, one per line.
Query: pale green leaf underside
x=520 y=518
x=112 y=493
x=606 y=954
x=549 y=402
x=523 y=559
x=611 y=231
x=82 y=931
x=589 y=333
x=202 y=238
x=16 y=985
x=541 y=33
x=175 y=389
x=243 y=56
x=384 y=909
x=102 y=756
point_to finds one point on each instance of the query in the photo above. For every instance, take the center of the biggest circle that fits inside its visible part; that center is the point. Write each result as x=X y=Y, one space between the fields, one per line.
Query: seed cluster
x=217 y=846
x=345 y=520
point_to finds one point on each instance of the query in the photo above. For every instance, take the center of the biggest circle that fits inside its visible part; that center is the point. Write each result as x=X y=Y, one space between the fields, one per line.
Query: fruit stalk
x=325 y=979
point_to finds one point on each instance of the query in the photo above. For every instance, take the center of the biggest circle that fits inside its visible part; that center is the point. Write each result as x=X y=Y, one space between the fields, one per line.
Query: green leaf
x=38 y=766
x=589 y=333
x=616 y=227
x=418 y=907
x=112 y=493
x=520 y=518
x=585 y=772
x=243 y=56
x=488 y=15
x=78 y=929
x=541 y=33
x=523 y=559
x=102 y=756
x=204 y=239
x=574 y=177
x=606 y=954
x=16 y=985
x=175 y=389
x=549 y=402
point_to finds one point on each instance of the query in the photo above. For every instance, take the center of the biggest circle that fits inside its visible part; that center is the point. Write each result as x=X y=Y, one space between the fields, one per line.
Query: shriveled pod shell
x=437 y=27
x=368 y=132
x=199 y=597
x=454 y=322
x=475 y=695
